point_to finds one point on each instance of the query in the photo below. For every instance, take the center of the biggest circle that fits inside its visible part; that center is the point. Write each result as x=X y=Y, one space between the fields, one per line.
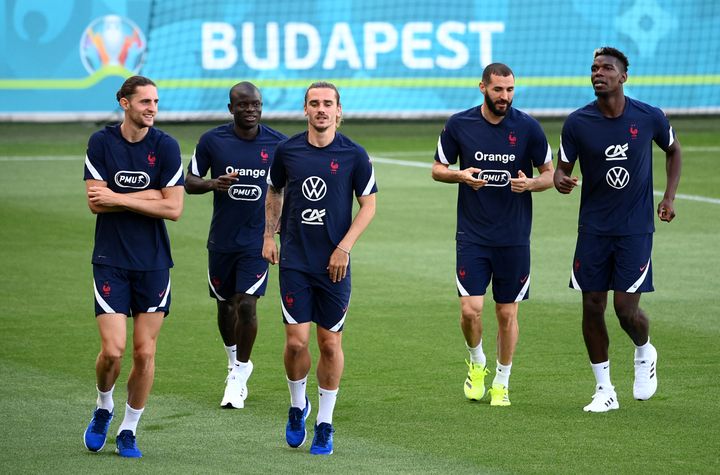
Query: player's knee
x=470 y=313
x=330 y=348
x=295 y=346
x=246 y=311
x=594 y=306
x=143 y=359
x=110 y=357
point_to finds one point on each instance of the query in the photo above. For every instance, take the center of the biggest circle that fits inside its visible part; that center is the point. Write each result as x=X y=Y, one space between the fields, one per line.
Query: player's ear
x=230 y=108
x=124 y=103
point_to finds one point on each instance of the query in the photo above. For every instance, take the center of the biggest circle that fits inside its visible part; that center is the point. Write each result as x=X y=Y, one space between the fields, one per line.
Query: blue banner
x=65 y=60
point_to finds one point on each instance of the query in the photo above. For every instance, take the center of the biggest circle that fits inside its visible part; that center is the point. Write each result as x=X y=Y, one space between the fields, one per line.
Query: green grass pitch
x=401 y=407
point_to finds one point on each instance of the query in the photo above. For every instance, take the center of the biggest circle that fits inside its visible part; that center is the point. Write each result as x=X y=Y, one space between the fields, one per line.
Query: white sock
x=132 y=417
x=602 y=373
x=240 y=366
x=327 y=400
x=641 y=351
x=231 y=352
x=476 y=354
x=105 y=399
x=502 y=374
x=297 y=392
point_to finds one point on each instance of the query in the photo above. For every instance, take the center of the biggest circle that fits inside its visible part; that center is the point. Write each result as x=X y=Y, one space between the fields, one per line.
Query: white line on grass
x=408 y=163
x=390 y=161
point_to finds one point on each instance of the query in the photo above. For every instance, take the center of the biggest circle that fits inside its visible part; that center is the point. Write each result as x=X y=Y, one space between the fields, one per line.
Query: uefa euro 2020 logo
x=112 y=41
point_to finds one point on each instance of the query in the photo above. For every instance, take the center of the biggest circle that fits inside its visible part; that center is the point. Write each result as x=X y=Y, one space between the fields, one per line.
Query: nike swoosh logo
x=642 y=269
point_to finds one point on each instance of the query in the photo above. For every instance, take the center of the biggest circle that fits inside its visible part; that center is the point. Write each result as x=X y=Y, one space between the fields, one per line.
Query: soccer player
x=498 y=147
x=312 y=181
x=612 y=139
x=238 y=156
x=134 y=179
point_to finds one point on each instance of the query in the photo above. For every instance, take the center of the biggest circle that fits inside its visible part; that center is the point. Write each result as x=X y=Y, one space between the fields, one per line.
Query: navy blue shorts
x=130 y=292
x=236 y=273
x=307 y=297
x=605 y=263
x=507 y=267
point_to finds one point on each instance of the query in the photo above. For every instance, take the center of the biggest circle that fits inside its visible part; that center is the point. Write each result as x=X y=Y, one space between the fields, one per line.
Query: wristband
x=343 y=249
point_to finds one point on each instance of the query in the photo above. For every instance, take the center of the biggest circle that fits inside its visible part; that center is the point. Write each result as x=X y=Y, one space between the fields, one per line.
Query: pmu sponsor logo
x=251 y=172
x=314 y=188
x=245 y=192
x=617 y=177
x=495 y=177
x=494 y=157
x=616 y=152
x=132 y=179
x=313 y=216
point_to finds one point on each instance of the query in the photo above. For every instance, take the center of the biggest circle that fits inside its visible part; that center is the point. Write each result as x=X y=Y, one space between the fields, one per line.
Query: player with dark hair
x=612 y=139
x=238 y=156
x=134 y=179
x=312 y=181
x=498 y=146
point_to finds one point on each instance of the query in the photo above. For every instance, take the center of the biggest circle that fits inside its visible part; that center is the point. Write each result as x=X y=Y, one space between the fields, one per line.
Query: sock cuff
x=133 y=410
x=479 y=346
x=328 y=391
x=303 y=380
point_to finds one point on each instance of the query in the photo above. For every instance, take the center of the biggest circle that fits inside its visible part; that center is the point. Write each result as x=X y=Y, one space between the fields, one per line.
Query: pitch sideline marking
x=385 y=160
x=408 y=163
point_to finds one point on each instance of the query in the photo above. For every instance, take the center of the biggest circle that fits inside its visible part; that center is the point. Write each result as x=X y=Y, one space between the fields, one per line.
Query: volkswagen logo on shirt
x=314 y=188
x=617 y=177
x=132 y=179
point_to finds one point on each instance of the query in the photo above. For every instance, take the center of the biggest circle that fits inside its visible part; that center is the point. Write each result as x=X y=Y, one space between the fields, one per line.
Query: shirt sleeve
x=200 y=161
x=664 y=135
x=172 y=171
x=540 y=150
x=447 y=149
x=568 y=147
x=277 y=175
x=95 y=159
x=364 y=175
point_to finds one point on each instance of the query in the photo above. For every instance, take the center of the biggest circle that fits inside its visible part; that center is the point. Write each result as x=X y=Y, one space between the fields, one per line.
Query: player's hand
x=666 y=211
x=521 y=183
x=470 y=176
x=104 y=196
x=270 y=250
x=337 y=267
x=224 y=182
x=566 y=184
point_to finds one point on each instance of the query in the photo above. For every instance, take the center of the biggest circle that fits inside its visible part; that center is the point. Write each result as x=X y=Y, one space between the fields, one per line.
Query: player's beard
x=491 y=106
x=321 y=128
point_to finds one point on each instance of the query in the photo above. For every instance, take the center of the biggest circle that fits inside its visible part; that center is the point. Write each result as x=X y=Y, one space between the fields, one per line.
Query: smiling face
x=322 y=108
x=246 y=107
x=141 y=107
x=607 y=75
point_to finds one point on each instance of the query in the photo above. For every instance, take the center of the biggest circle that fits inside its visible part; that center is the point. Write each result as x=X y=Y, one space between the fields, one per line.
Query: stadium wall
x=401 y=59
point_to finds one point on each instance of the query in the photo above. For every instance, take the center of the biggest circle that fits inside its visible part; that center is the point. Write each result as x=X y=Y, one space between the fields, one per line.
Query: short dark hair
x=243 y=86
x=131 y=84
x=320 y=85
x=498 y=69
x=615 y=53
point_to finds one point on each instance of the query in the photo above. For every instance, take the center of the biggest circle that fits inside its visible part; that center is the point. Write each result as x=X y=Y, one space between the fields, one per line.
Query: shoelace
x=127 y=441
x=295 y=418
x=323 y=435
x=101 y=420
